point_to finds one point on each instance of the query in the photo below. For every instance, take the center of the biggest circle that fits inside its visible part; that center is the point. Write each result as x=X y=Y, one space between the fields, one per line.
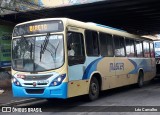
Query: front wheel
x=93 y=89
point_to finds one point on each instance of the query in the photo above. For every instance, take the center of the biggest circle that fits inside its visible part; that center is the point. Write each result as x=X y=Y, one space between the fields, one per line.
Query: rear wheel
x=140 y=80
x=93 y=89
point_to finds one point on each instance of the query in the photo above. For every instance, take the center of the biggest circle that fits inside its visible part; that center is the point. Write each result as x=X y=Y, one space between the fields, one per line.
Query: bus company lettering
x=116 y=66
x=38 y=27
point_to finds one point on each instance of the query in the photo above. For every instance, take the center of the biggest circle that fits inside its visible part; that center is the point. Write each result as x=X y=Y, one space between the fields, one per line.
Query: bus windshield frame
x=38 y=42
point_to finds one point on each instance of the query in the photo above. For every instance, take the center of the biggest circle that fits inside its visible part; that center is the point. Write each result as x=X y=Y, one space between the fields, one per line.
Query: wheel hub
x=94 y=88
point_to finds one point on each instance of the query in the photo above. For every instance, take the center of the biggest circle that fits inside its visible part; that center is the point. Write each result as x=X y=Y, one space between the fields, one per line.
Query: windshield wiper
x=24 y=40
x=44 y=45
x=57 y=48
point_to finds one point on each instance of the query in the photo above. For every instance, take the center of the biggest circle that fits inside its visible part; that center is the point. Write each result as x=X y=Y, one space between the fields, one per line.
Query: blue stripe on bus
x=145 y=65
x=91 y=68
x=135 y=66
x=142 y=64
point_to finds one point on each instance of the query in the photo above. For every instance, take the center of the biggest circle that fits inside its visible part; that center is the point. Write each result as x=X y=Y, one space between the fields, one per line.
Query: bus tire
x=140 y=82
x=93 y=89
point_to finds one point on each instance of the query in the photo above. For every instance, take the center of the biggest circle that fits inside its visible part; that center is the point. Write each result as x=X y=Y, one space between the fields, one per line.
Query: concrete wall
x=57 y=3
x=12 y=6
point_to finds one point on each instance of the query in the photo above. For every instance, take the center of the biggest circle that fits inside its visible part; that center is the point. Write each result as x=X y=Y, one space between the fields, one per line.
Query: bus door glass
x=76 y=55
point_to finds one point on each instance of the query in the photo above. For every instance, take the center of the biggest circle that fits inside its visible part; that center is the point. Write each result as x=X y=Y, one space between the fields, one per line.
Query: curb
x=19 y=102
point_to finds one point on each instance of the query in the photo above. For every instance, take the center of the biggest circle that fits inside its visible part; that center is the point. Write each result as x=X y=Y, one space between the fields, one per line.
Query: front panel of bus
x=38 y=60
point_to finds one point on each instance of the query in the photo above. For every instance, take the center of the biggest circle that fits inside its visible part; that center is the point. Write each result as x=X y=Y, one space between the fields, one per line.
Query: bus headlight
x=16 y=82
x=58 y=80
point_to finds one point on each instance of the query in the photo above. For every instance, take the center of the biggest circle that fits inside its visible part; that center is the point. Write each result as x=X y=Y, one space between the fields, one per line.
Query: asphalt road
x=127 y=100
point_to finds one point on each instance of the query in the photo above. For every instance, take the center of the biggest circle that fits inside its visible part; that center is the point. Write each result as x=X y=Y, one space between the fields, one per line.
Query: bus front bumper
x=44 y=92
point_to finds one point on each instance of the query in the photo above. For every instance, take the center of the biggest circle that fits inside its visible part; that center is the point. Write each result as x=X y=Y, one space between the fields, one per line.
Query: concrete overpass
x=138 y=16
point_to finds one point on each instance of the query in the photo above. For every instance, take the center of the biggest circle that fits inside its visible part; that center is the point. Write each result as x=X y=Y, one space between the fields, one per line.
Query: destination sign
x=38 y=28
x=41 y=27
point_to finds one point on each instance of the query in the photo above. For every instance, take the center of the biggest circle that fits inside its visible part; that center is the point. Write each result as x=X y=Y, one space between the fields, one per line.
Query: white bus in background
x=157 y=56
x=157 y=49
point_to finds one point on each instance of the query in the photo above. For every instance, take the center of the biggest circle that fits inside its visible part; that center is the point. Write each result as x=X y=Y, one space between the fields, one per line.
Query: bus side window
x=130 y=49
x=139 y=50
x=146 y=49
x=75 y=47
x=91 y=38
x=152 y=50
x=119 y=46
x=106 y=44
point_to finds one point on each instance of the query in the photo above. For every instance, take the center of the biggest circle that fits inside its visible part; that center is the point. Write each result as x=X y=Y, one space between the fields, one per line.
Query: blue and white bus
x=63 y=58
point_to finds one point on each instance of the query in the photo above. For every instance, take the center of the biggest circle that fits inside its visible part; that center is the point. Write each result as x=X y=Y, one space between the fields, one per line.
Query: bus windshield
x=40 y=53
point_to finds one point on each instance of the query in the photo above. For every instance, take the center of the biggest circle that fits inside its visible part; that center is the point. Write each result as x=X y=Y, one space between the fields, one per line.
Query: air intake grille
x=37 y=77
x=37 y=83
x=34 y=91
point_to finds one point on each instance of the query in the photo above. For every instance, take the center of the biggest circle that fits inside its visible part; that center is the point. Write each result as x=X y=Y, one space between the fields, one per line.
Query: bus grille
x=37 y=77
x=34 y=91
x=37 y=83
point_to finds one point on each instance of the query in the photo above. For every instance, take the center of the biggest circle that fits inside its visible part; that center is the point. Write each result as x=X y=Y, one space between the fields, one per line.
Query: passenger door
x=76 y=55
x=76 y=62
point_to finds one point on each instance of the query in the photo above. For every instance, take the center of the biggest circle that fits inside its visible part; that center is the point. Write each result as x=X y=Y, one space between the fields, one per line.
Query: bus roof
x=91 y=26
x=100 y=25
